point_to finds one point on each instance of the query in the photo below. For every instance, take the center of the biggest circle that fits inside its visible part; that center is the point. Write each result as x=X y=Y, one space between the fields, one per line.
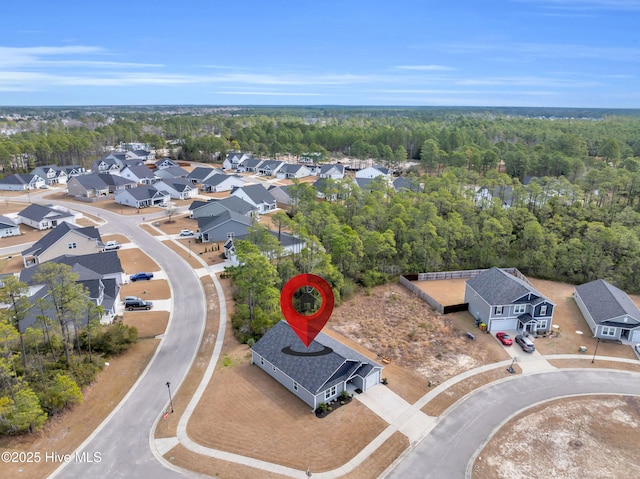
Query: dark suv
x=138 y=304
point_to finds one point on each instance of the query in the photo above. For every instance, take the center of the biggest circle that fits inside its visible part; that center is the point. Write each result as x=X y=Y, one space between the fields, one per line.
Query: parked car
x=137 y=276
x=138 y=304
x=111 y=246
x=186 y=233
x=504 y=338
x=525 y=343
x=130 y=298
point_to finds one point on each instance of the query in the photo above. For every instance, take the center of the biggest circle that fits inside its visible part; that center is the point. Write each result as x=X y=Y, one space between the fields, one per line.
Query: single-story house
x=317 y=374
x=64 y=239
x=142 y=197
x=505 y=302
x=608 y=311
x=201 y=173
x=8 y=227
x=335 y=172
x=270 y=167
x=42 y=217
x=177 y=188
x=250 y=165
x=170 y=172
x=280 y=193
x=290 y=171
x=228 y=224
x=374 y=172
x=21 y=182
x=256 y=195
x=116 y=182
x=200 y=209
x=88 y=186
x=406 y=183
x=218 y=183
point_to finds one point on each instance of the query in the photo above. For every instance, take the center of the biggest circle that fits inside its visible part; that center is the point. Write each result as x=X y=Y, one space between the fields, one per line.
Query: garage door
x=372 y=380
x=503 y=324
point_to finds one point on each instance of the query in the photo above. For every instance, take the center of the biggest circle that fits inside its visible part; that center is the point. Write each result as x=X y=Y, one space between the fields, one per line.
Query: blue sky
x=565 y=53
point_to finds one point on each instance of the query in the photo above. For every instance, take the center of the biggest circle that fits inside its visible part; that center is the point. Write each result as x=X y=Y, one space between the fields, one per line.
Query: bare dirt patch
x=397 y=324
x=122 y=239
x=376 y=463
x=446 y=292
x=147 y=290
x=148 y=323
x=177 y=223
x=192 y=251
x=134 y=260
x=11 y=264
x=565 y=438
x=64 y=433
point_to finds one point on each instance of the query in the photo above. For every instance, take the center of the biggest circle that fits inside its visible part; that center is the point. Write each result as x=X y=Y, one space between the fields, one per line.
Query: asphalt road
x=123 y=440
x=446 y=451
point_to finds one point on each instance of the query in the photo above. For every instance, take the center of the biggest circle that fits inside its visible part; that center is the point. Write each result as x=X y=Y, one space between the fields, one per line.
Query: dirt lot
x=566 y=439
x=149 y=323
x=134 y=260
x=447 y=292
x=395 y=323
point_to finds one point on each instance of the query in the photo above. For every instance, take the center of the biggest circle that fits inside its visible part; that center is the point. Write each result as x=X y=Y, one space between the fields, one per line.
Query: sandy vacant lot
x=576 y=438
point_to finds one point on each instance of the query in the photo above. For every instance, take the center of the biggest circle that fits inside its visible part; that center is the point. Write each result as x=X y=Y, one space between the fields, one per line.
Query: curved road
x=462 y=431
x=123 y=438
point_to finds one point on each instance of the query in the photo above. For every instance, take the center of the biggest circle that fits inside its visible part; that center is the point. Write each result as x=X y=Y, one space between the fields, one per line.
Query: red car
x=504 y=338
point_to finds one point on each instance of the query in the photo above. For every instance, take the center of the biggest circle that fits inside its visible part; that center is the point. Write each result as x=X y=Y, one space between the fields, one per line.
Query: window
x=295 y=386
x=71 y=245
x=542 y=324
x=499 y=309
x=543 y=310
x=608 y=331
x=519 y=308
x=329 y=393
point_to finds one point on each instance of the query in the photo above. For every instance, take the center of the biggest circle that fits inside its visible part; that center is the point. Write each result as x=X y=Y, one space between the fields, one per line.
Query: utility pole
x=170 y=400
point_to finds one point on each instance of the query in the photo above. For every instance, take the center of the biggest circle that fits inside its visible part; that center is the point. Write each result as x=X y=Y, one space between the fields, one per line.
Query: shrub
x=322 y=407
x=385 y=381
x=115 y=339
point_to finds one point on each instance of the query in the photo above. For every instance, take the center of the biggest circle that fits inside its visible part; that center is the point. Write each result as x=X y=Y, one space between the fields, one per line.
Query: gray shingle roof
x=36 y=212
x=7 y=222
x=115 y=180
x=498 y=287
x=178 y=184
x=604 y=301
x=324 y=169
x=257 y=193
x=106 y=263
x=314 y=373
x=144 y=192
x=58 y=232
x=17 y=179
x=141 y=171
x=91 y=181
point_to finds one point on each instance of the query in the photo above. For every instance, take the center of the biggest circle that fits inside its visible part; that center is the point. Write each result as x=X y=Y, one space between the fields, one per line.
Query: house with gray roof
x=335 y=172
x=165 y=163
x=250 y=165
x=218 y=183
x=234 y=159
x=21 y=182
x=138 y=173
x=142 y=197
x=201 y=173
x=609 y=311
x=107 y=164
x=52 y=174
x=270 y=167
x=65 y=238
x=504 y=301
x=177 y=188
x=170 y=172
x=8 y=227
x=290 y=171
x=374 y=172
x=100 y=273
x=139 y=155
x=326 y=189
x=200 y=209
x=88 y=186
x=406 y=183
x=219 y=228
x=486 y=196
x=281 y=194
x=315 y=374
x=73 y=170
x=256 y=195
x=116 y=183
x=43 y=217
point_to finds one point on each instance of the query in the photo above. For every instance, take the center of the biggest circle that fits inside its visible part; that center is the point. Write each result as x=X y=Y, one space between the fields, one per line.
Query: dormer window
x=543 y=310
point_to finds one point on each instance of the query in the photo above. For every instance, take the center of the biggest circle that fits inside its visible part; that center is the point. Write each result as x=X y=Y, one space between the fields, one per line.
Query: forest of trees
x=566 y=185
x=44 y=367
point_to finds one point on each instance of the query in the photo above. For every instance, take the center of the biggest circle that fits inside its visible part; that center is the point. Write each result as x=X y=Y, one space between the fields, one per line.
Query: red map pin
x=306 y=327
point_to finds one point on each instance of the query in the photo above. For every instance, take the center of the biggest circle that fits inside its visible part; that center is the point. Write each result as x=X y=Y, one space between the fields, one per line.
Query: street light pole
x=596 y=351
x=170 y=400
x=189 y=243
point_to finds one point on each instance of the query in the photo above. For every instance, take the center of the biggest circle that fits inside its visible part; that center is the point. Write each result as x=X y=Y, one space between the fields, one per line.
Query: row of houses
x=506 y=301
